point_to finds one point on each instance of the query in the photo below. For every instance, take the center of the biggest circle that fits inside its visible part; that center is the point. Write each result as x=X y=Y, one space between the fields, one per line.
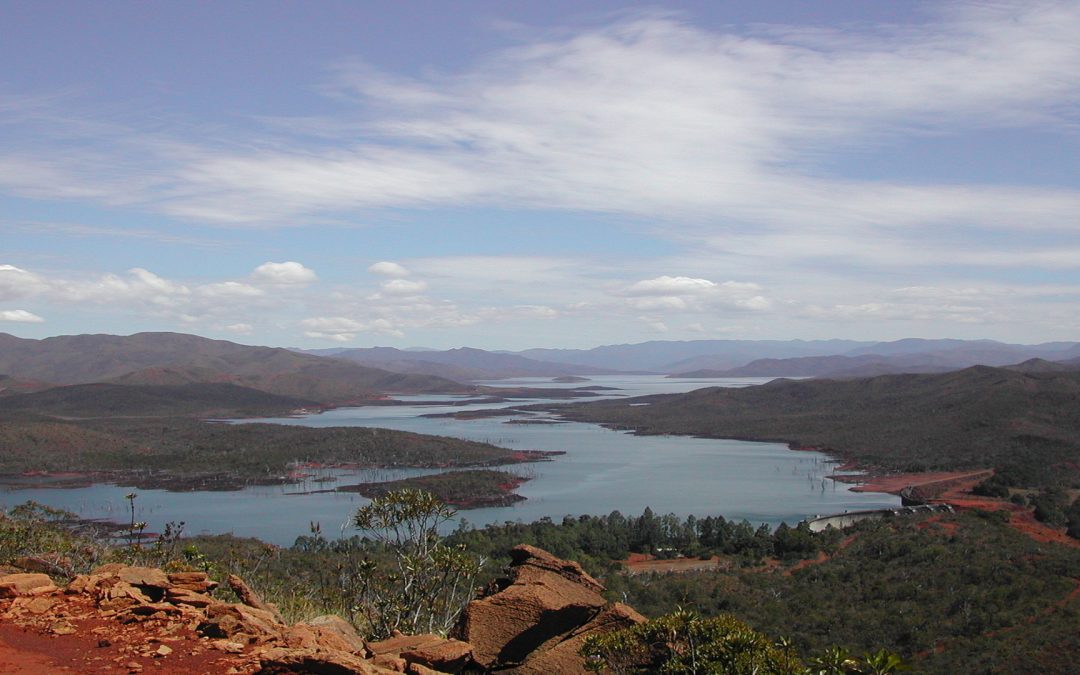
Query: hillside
x=105 y=400
x=175 y=358
x=11 y=386
x=1027 y=424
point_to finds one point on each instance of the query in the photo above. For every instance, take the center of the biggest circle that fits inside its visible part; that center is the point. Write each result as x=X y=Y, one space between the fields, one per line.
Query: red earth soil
x=96 y=645
x=955 y=490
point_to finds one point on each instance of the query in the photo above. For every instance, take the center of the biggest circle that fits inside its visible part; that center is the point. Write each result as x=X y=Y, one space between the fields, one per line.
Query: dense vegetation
x=466 y=489
x=177 y=447
x=987 y=597
x=951 y=593
x=1025 y=424
x=682 y=642
x=599 y=542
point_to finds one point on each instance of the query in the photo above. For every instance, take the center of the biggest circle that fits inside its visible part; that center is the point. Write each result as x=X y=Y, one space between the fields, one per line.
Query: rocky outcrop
x=536 y=619
x=533 y=621
x=180 y=608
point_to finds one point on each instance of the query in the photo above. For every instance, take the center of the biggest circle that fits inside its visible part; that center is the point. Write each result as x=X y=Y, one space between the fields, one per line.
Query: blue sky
x=557 y=174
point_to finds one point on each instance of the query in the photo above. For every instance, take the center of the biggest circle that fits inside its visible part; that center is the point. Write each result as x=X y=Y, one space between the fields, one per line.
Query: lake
x=602 y=471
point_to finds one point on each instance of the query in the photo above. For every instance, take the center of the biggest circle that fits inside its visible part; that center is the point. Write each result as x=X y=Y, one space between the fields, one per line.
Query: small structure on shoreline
x=842 y=520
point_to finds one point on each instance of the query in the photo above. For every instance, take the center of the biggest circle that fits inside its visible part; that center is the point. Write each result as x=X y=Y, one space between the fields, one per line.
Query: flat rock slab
x=144 y=576
x=448 y=656
x=29 y=583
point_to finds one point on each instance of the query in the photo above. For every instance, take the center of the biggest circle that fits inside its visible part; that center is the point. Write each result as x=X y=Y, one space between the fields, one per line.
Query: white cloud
x=17 y=283
x=240 y=328
x=19 y=316
x=389 y=269
x=229 y=289
x=666 y=285
x=336 y=328
x=333 y=324
x=336 y=337
x=345 y=329
x=908 y=312
x=139 y=286
x=145 y=294
x=691 y=294
x=403 y=287
x=654 y=324
x=662 y=302
x=283 y=273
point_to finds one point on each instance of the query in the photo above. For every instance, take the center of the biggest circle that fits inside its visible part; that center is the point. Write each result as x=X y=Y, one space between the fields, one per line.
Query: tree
x=834 y=661
x=882 y=662
x=419 y=584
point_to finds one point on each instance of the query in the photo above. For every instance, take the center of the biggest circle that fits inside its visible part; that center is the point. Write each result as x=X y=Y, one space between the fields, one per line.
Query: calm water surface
x=602 y=471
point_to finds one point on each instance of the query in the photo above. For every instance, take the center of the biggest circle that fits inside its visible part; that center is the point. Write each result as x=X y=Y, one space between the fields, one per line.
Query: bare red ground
x=956 y=492
x=936 y=525
x=642 y=563
x=98 y=646
x=894 y=483
x=822 y=556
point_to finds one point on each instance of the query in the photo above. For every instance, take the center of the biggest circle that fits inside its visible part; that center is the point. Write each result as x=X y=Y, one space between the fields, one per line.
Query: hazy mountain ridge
x=176 y=358
x=901 y=356
x=671 y=356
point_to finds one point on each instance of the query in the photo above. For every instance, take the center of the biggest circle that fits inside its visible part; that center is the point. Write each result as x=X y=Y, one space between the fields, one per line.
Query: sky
x=507 y=175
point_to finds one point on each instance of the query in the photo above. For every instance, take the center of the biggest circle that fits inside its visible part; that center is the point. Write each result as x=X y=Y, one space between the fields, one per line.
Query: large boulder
x=545 y=605
x=445 y=656
x=241 y=623
x=334 y=632
x=16 y=585
x=563 y=656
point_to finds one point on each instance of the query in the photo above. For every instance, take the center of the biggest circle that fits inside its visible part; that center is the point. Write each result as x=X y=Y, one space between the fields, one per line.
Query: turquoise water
x=602 y=471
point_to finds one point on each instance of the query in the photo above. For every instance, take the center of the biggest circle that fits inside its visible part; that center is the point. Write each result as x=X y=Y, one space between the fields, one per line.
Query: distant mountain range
x=338 y=376
x=902 y=356
x=176 y=359
x=673 y=357
x=461 y=364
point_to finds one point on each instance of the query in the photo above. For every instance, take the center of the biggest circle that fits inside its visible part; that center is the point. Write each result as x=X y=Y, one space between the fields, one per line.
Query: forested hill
x=108 y=400
x=1026 y=424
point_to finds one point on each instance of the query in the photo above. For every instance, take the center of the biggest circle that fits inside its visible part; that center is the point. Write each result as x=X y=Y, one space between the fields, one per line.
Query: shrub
x=425 y=583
